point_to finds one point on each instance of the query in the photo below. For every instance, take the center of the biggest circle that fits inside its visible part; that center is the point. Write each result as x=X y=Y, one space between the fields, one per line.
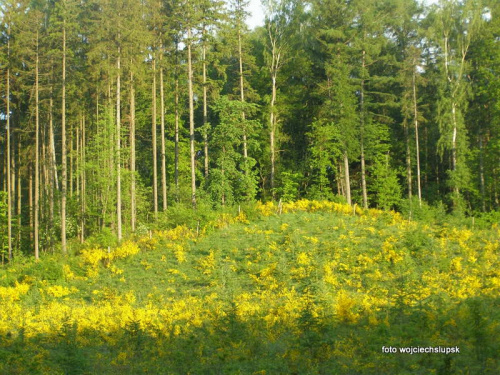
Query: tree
x=456 y=25
x=279 y=15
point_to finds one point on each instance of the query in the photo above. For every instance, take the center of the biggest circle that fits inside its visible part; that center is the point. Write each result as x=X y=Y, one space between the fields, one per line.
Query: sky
x=257 y=14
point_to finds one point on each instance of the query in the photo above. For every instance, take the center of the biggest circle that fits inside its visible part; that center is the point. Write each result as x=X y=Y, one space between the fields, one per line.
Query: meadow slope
x=306 y=288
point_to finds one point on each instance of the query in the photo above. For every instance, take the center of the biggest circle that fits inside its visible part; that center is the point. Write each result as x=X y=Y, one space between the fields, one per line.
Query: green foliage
x=104 y=238
x=289 y=186
x=386 y=185
x=49 y=269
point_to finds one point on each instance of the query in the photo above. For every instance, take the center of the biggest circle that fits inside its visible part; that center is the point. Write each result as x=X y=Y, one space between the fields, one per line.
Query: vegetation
x=113 y=111
x=316 y=289
x=180 y=194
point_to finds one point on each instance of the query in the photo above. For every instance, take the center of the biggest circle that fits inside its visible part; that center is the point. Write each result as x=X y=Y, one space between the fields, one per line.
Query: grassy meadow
x=304 y=288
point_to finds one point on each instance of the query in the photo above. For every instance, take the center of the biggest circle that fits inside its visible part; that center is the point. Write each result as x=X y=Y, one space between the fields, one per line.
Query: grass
x=313 y=290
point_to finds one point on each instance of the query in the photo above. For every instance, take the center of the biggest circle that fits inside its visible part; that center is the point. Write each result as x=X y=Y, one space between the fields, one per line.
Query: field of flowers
x=305 y=288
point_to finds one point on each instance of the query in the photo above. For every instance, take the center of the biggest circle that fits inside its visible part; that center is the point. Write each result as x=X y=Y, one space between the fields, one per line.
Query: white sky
x=257 y=14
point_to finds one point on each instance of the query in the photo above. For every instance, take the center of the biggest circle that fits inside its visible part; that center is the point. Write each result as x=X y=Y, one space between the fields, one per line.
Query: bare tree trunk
x=9 y=182
x=71 y=157
x=191 y=119
x=417 y=144
x=30 y=198
x=363 y=162
x=132 y=154
x=242 y=98
x=153 y=130
x=347 y=179
x=83 y=182
x=272 y=123
x=63 y=148
x=163 y=152
x=37 y=160
x=53 y=166
x=77 y=157
x=118 y=151
x=408 y=161
x=205 y=107
x=481 y=171
x=456 y=190
x=176 y=151
x=19 y=194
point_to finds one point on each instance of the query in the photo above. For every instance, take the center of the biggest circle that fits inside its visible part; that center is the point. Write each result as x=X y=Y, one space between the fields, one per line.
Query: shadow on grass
x=307 y=345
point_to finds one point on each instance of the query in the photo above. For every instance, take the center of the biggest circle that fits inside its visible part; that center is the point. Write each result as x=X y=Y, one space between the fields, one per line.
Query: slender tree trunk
x=205 y=107
x=63 y=147
x=163 y=151
x=77 y=156
x=52 y=162
x=176 y=151
x=9 y=182
x=340 y=181
x=191 y=119
x=118 y=151
x=272 y=123
x=83 y=182
x=456 y=190
x=347 y=182
x=71 y=158
x=132 y=154
x=408 y=160
x=242 y=98
x=19 y=194
x=153 y=130
x=362 y=117
x=37 y=159
x=417 y=143
x=481 y=171
x=30 y=199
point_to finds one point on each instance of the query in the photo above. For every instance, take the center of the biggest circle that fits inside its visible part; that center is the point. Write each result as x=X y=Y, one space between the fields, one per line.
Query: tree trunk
x=481 y=171
x=456 y=190
x=118 y=151
x=205 y=107
x=242 y=98
x=37 y=160
x=153 y=130
x=52 y=162
x=347 y=177
x=272 y=123
x=19 y=194
x=132 y=154
x=176 y=151
x=163 y=152
x=417 y=146
x=83 y=182
x=362 y=117
x=408 y=160
x=30 y=199
x=191 y=120
x=9 y=182
x=63 y=147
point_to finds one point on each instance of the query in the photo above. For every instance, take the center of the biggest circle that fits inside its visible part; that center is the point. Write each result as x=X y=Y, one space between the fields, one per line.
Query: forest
x=117 y=115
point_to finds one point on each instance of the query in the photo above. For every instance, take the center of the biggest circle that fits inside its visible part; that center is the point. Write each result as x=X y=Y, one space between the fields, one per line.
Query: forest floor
x=304 y=288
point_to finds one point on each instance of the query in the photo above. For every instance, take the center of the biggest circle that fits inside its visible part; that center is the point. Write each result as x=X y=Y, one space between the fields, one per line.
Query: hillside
x=306 y=288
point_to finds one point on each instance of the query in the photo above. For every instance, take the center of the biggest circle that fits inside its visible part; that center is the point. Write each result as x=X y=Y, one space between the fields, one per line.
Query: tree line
x=112 y=111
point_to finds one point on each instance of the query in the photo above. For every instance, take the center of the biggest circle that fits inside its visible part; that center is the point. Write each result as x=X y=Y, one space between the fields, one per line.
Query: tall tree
x=456 y=24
